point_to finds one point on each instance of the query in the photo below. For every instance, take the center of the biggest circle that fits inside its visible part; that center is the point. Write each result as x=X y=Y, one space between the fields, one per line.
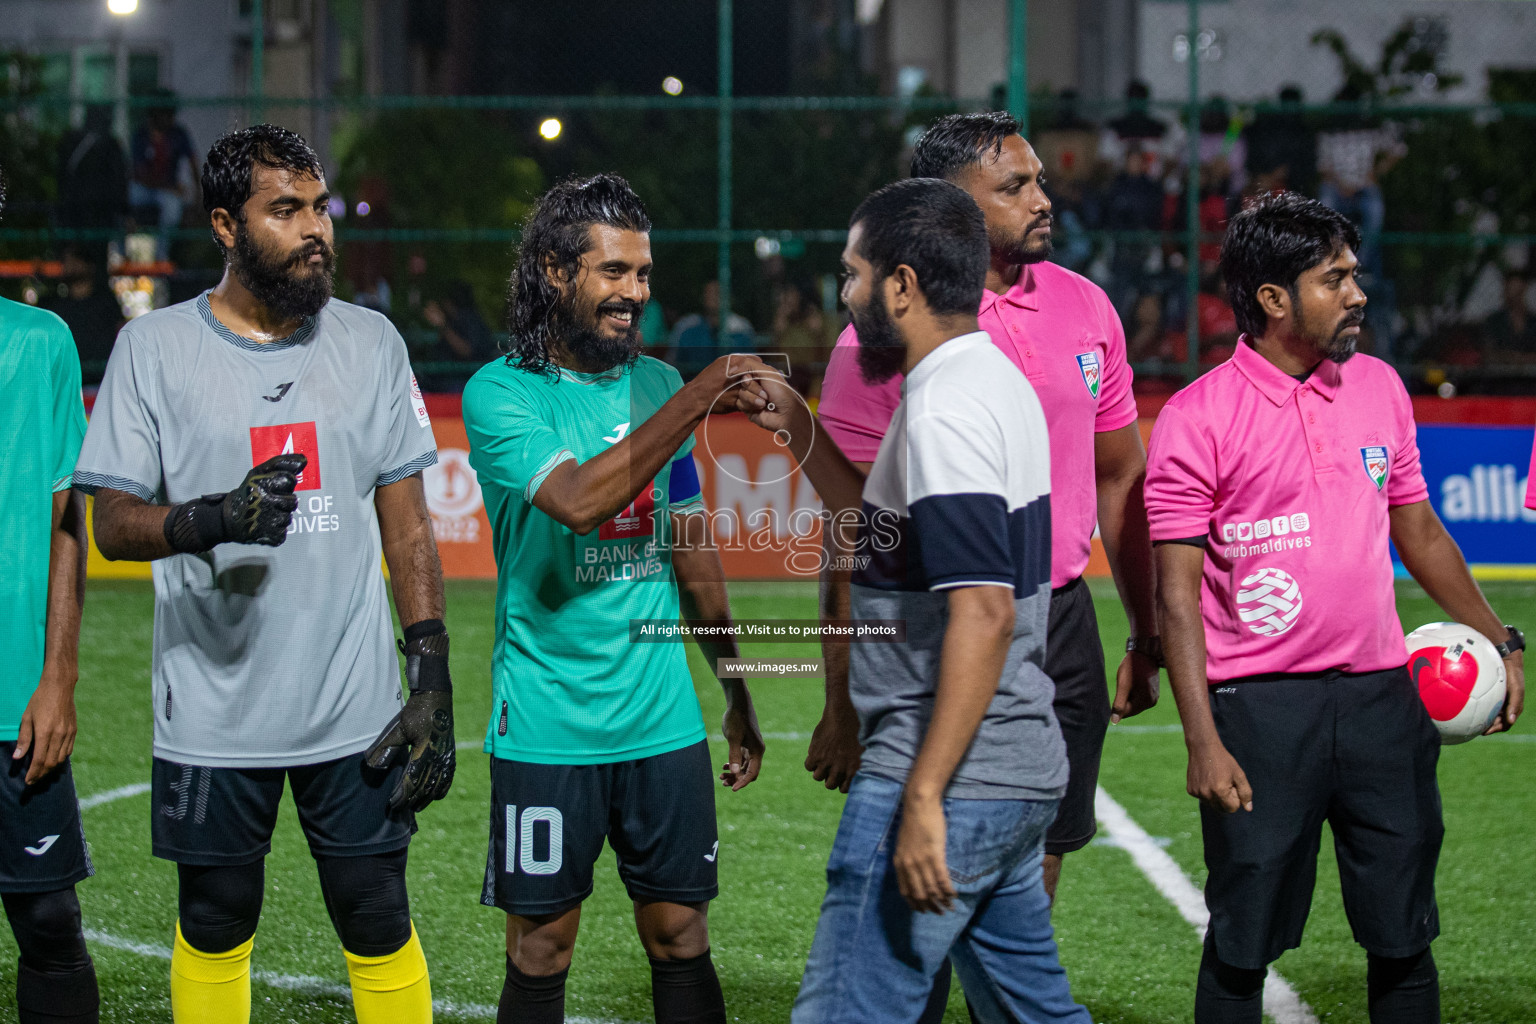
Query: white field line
x=120 y=793
x=304 y=983
x=1281 y=1003
x=310 y=985
x=787 y=737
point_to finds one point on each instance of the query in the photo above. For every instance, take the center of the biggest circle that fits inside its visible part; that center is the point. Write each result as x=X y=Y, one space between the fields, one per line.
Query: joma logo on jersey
x=285 y=439
x=43 y=846
x=635 y=521
x=1376 y=463
x=1088 y=366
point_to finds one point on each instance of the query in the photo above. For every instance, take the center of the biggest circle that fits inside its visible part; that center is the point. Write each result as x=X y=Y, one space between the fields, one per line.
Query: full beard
x=593 y=349
x=288 y=286
x=1016 y=251
x=882 y=355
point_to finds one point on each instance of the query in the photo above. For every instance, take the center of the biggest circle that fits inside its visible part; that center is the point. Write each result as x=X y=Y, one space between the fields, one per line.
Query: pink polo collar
x=1277 y=385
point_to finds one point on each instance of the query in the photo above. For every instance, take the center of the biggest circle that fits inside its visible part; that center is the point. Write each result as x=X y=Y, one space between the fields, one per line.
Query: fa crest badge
x=1376 y=462
x=1088 y=366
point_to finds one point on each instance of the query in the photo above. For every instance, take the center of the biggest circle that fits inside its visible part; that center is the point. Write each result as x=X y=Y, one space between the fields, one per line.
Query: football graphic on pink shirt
x=1269 y=602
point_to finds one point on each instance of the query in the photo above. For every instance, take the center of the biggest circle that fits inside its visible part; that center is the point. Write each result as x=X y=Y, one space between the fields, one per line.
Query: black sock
x=686 y=991
x=1225 y=994
x=67 y=998
x=1403 y=990
x=529 y=1000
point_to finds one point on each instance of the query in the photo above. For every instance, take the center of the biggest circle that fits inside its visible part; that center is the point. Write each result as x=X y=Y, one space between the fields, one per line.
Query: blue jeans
x=874 y=957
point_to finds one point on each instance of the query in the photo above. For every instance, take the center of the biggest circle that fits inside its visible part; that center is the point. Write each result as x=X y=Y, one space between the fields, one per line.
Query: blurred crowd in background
x=1120 y=187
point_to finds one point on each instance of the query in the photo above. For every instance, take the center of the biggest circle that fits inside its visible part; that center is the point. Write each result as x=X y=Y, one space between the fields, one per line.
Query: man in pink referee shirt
x=1273 y=486
x=1061 y=331
x=1530 y=481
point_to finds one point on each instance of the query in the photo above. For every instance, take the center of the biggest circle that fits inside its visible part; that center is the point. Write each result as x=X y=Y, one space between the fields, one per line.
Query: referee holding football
x=274 y=657
x=1273 y=486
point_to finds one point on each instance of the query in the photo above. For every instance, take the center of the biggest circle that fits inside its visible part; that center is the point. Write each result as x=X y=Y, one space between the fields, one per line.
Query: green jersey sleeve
x=511 y=440
x=68 y=421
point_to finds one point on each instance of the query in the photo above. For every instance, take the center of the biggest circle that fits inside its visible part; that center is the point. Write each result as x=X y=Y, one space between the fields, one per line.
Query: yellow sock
x=210 y=988
x=392 y=989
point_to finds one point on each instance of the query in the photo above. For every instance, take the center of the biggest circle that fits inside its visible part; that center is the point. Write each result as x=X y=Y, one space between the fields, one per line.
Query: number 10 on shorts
x=520 y=848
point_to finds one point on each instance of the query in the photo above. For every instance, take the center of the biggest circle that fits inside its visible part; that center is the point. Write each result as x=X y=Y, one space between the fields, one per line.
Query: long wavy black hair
x=555 y=235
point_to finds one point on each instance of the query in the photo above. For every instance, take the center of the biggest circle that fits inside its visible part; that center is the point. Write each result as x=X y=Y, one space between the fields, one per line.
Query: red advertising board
x=763 y=509
x=458 y=511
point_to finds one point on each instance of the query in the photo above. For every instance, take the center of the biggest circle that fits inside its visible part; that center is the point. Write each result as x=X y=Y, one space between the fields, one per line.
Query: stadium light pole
x=258 y=59
x=723 y=168
x=1192 y=205
x=1018 y=63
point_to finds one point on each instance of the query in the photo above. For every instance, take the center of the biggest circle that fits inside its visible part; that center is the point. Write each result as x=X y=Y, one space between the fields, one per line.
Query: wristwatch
x=1516 y=642
x=1151 y=646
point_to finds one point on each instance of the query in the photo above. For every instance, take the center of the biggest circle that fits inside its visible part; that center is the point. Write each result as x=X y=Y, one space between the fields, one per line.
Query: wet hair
x=1275 y=240
x=556 y=233
x=229 y=171
x=958 y=141
x=934 y=227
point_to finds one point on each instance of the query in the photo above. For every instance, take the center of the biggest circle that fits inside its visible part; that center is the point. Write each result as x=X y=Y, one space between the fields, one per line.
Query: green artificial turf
x=1130 y=956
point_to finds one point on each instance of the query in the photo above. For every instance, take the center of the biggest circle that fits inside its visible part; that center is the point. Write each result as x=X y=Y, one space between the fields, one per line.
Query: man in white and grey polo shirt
x=963 y=758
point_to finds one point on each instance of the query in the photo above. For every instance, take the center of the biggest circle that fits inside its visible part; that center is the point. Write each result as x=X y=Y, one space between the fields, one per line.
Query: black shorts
x=1357 y=751
x=217 y=816
x=1074 y=659
x=548 y=822
x=42 y=844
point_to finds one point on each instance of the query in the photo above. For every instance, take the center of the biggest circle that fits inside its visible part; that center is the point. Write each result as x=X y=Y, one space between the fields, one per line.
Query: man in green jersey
x=42 y=581
x=583 y=451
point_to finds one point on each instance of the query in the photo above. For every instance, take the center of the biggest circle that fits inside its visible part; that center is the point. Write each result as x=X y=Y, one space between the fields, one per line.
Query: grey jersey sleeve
x=409 y=446
x=122 y=444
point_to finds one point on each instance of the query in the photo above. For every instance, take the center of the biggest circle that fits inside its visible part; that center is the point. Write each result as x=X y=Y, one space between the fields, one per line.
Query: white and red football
x=1460 y=678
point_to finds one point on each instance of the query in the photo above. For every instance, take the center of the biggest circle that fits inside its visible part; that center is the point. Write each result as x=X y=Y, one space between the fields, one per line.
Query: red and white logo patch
x=418 y=404
x=638 y=520
x=286 y=438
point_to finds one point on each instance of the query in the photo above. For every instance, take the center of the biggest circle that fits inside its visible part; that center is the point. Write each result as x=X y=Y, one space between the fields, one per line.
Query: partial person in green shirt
x=42 y=587
x=583 y=450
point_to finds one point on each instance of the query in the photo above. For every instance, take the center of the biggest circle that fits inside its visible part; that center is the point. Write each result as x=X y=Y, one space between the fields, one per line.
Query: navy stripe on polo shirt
x=959 y=496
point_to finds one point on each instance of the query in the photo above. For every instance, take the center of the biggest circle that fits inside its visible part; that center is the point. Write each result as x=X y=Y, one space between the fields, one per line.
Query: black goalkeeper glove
x=256 y=512
x=425 y=725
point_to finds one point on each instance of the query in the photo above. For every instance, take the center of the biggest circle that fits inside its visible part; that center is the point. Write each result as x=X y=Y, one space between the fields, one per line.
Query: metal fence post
x=258 y=60
x=1018 y=63
x=723 y=171
x=1192 y=205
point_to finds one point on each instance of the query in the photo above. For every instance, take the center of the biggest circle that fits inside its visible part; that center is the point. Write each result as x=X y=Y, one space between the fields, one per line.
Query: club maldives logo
x=285 y=439
x=1376 y=463
x=1088 y=366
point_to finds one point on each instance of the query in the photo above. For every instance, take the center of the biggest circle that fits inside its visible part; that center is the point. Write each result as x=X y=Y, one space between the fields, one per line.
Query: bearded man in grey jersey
x=274 y=654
